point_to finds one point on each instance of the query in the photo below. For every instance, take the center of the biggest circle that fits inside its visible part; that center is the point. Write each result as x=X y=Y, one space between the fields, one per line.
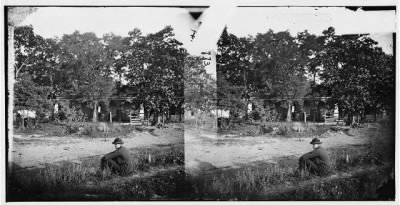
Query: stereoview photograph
x=226 y=102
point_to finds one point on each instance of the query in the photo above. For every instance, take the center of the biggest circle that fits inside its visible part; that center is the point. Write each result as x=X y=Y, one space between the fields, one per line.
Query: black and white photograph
x=208 y=101
x=97 y=103
x=304 y=107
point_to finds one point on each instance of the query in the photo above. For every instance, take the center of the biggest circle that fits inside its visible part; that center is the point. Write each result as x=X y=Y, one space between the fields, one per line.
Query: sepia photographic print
x=209 y=101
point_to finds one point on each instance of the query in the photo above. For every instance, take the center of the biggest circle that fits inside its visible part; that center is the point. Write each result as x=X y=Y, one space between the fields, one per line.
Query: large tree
x=155 y=69
x=34 y=71
x=355 y=72
x=28 y=96
x=34 y=55
x=199 y=89
x=233 y=68
x=279 y=68
x=86 y=67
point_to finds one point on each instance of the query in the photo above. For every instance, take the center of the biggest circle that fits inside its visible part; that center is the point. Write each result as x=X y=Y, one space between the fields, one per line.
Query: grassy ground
x=156 y=173
x=357 y=172
x=354 y=176
x=159 y=174
x=358 y=185
x=277 y=129
x=81 y=129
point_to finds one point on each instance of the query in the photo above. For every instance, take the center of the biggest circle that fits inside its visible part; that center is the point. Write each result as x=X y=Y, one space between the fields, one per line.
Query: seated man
x=119 y=161
x=317 y=161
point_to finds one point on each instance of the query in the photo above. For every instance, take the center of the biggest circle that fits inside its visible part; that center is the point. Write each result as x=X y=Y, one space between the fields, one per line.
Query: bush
x=263 y=113
x=90 y=131
x=341 y=160
x=56 y=129
x=72 y=128
x=144 y=159
x=243 y=129
x=73 y=114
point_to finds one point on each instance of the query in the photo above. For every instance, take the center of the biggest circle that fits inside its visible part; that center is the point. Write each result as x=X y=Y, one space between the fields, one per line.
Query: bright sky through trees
x=380 y=24
x=56 y=21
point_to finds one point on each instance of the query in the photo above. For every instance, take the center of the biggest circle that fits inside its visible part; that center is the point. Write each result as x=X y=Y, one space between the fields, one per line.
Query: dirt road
x=207 y=151
x=34 y=151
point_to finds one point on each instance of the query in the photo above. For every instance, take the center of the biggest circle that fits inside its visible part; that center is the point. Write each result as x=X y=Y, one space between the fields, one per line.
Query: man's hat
x=315 y=141
x=118 y=141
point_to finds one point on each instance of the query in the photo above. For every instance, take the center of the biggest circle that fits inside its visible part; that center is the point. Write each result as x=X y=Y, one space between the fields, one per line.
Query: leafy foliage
x=199 y=86
x=34 y=55
x=356 y=73
x=270 y=66
x=233 y=64
x=351 y=71
x=28 y=96
x=87 y=68
x=280 y=64
x=272 y=71
x=155 y=69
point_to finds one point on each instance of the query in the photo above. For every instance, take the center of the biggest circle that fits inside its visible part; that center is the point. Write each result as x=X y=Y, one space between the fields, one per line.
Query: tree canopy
x=274 y=70
x=88 y=71
x=356 y=73
x=280 y=69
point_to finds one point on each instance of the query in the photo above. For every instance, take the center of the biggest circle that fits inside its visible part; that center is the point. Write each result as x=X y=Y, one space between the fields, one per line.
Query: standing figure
x=119 y=161
x=315 y=162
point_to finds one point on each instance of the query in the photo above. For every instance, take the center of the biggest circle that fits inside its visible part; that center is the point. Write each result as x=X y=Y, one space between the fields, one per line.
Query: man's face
x=315 y=146
x=117 y=146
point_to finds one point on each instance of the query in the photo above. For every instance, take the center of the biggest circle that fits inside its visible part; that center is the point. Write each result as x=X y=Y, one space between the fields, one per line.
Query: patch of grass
x=160 y=186
x=277 y=129
x=54 y=129
x=164 y=185
x=31 y=185
x=344 y=160
x=244 y=183
x=361 y=186
x=81 y=129
x=148 y=158
x=98 y=130
x=39 y=184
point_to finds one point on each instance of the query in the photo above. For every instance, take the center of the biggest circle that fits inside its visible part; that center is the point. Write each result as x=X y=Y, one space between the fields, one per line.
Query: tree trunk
x=196 y=116
x=23 y=123
x=148 y=117
x=120 y=114
x=94 y=119
x=168 y=117
x=158 y=117
x=314 y=111
x=289 y=113
x=36 y=122
x=246 y=115
x=163 y=117
x=352 y=118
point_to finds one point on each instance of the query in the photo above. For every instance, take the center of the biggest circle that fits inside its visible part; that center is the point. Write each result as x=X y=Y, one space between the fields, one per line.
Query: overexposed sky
x=56 y=21
x=245 y=21
x=250 y=21
x=314 y=19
